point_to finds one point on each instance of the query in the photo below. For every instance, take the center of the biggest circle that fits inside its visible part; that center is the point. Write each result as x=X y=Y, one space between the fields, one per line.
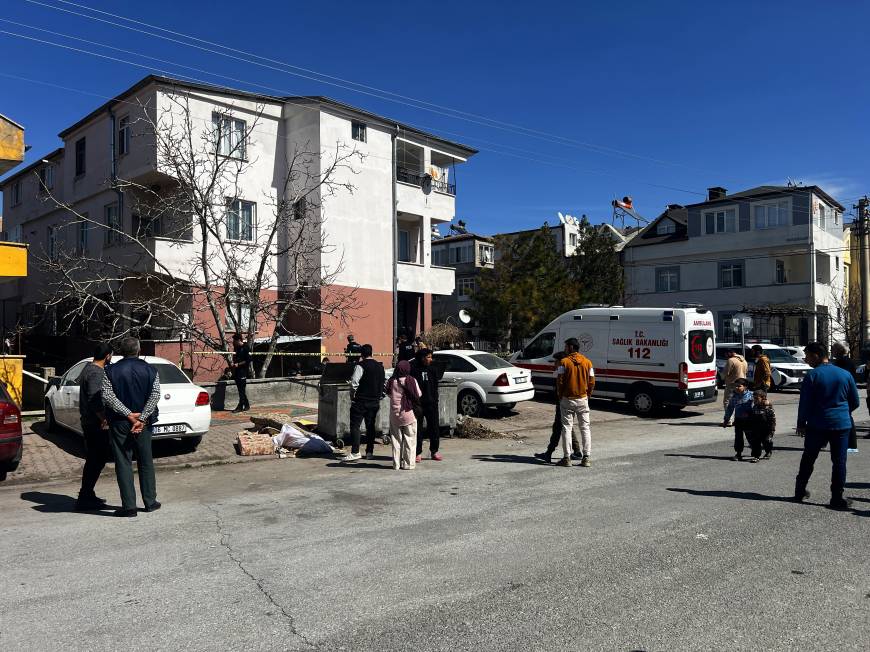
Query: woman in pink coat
x=403 y=392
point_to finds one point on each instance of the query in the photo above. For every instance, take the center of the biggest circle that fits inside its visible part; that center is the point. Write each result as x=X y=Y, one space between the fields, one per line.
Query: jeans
x=814 y=442
x=363 y=410
x=433 y=429
x=124 y=443
x=241 y=386
x=575 y=407
x=97 y=453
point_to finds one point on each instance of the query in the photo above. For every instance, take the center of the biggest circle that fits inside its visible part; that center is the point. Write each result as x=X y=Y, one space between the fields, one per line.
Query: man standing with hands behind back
x=131 y=390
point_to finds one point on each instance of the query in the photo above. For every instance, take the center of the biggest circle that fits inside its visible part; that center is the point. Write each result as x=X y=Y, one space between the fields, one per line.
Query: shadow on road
x=740 y=495
x=59 y=503
x=66 y=440
x=511 y=459
x=701 y=457
x=858 y=485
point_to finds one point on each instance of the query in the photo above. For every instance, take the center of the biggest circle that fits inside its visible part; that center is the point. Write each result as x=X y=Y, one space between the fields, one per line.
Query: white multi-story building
x=775 y=252
x=402 y=186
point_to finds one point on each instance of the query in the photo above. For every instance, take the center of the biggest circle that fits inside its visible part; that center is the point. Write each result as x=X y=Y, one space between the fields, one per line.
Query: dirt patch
x=469 y=428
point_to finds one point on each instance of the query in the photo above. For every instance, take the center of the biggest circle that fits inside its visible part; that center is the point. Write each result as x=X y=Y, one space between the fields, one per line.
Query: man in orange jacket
x=575 y=380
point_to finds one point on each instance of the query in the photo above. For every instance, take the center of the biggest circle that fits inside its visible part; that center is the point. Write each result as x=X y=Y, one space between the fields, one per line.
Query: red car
x=10 y=434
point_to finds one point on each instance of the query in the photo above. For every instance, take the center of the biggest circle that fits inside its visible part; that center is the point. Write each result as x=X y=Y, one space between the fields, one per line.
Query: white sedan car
x=184 y=408
x=485 y=379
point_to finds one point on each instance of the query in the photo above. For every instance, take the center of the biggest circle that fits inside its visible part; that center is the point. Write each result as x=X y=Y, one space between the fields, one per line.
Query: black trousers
x=363 y=410
x=97 y=453
x=241 y=386
x=433 y=429
x=124 y=443
x=556 y=434
x=814 y=442
x=743 y=428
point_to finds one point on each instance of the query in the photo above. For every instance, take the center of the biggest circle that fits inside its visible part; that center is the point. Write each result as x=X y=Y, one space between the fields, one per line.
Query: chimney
x=715 y=193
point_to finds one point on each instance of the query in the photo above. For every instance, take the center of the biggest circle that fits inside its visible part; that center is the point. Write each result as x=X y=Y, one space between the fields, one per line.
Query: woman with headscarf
x=404 y=395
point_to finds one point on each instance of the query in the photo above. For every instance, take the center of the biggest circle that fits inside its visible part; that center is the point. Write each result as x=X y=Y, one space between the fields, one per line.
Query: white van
x=647 y=356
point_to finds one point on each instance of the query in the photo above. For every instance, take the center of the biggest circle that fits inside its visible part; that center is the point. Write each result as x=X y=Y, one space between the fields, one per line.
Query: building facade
x=775 y=252
x=374 y=221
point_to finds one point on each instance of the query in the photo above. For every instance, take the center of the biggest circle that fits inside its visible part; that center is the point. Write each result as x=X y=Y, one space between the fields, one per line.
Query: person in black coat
x=241 y=367
x=367 y=383
x=427 y=376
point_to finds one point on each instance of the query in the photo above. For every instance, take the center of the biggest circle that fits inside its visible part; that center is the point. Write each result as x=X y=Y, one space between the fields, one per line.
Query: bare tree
x=846 y=316
x=197 y=249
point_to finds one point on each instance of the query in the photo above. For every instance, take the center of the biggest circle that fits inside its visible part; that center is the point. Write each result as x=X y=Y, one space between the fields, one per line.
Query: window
x=439 y=257
x=238 y=314
x=455 y=363
x=240 y=220
x=836 y=214
x=724 y=221
x=16 y=234
x=230 y=134
x=771 y=215
x=667 y=279
x=113 y=224
x=780 y=271
x=51 y=238
x=731 y=274
x=169 y=374
x=16 y=193
x=666 y=227
x=82 y=237
x=146 y=227
x=540 y=347
x=124 y=135
x=701 y=347
x=404 y=246
x=461 y=253
x=727 y=329
x=490 y=361
x=46 y=178
x=358 y=131
x=572 y=239
x=81 y=152
x=71 y=377
x=822 y=216
x=465 y=287
x=836 y=264
x=487 y=253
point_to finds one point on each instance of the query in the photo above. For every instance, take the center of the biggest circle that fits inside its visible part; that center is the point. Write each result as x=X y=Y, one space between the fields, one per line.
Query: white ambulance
x=648 y=356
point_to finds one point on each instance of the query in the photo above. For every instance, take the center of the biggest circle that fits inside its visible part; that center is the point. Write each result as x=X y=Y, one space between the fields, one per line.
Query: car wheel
x=643 y=400
x=50 y=423
x=191 y=443
x=2 y=475
x=469 y=404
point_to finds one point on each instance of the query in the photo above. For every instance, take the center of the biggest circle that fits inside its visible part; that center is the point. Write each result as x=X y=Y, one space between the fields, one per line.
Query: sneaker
x=577 y=456
x=418 y=459
x=840 y=504
x=351 y=457
x=766 y=456
x=801 y=496
x=544 y=457
x=587 y=460
x=737 y=458
x=565 y=461
x=437 y=457
x=370 y=456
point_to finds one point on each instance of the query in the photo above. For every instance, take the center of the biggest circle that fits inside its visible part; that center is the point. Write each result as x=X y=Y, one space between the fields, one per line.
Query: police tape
x=343 y=354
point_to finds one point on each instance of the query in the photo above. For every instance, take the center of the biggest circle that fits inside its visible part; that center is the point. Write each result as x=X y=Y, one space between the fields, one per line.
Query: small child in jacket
x=740 y=405
x=763 y=425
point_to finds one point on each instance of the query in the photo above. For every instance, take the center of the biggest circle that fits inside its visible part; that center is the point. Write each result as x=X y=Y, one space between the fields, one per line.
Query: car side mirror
x=54 y=381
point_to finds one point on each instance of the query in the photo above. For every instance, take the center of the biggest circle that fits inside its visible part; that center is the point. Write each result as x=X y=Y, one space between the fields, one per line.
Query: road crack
x=233 y=556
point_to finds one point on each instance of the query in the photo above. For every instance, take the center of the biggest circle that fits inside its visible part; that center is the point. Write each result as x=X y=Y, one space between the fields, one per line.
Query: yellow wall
x=13 y=259
x=11 y=367
x=11 y=145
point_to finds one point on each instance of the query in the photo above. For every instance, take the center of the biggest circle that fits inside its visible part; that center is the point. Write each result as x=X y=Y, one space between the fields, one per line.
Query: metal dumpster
x=333 y=405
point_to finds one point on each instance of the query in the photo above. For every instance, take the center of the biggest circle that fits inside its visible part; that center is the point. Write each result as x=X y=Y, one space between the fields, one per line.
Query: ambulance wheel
x=643 y=400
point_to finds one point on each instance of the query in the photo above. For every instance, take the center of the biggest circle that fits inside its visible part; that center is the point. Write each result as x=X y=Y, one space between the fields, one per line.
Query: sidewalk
x=60 y=455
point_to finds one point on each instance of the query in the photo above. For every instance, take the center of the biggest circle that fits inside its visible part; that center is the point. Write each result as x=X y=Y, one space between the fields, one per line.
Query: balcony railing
x=410 y=176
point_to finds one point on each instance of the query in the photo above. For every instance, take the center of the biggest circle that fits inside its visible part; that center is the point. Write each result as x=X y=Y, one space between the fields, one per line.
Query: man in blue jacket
x=828 y=397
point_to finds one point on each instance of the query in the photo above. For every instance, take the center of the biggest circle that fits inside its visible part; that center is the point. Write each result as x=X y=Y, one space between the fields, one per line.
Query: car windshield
x=780 y=355
x=170 y=374
x=489 y=361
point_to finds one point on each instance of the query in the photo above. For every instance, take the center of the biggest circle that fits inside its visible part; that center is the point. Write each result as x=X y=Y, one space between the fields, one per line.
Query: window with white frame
x=720 y=221
x=439 y=256
x=238 y=314
x=771 y=215
x=241 y=220
x=836 y=215
x=124 y=135
x=51 y=240
x=666 y=227
x=731 y=274
x=230 y=134
x=16 y=193
x=358 y=131
x=461 y=253
x=46 y=178
x=82 y=236
x=822 y=215
x=404 y=246
x=780 y=271
x=487 y=253
x=667 y=279
x=572 y=239
x=465 y=287
x=114 y=227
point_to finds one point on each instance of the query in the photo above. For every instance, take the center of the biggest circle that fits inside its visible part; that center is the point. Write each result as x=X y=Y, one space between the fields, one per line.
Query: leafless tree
x=196 y=250
x=846 y=316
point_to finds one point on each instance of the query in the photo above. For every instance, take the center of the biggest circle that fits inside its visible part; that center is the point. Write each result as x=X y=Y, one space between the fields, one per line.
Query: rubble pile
x=468 y=428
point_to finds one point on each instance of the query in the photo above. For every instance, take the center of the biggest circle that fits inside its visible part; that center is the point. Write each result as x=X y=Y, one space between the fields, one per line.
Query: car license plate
x=520 y=379
x=162 y=430
x=699 y=394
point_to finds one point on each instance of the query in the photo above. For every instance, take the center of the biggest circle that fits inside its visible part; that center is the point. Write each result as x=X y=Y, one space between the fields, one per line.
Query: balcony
x=418 y=278
x=416 y=178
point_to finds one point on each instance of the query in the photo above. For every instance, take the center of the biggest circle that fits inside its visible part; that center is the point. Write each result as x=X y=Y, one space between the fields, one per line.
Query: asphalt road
x=663 y=544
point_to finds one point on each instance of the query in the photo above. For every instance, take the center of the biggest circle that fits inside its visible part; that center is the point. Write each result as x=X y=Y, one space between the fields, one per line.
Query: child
x=763 y=425
x=740 y=405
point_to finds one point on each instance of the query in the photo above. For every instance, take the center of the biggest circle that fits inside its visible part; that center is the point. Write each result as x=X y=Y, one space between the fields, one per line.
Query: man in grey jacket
x=95 y=428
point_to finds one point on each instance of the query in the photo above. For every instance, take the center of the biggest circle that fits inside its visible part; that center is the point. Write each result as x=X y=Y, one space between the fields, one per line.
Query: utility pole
x=864 y=270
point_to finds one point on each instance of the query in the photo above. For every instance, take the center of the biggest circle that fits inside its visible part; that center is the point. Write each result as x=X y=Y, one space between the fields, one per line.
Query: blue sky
x=657 y=100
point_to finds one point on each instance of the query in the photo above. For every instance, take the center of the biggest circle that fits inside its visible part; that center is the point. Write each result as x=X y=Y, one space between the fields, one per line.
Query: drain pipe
x=395 y=226
x=113 y=121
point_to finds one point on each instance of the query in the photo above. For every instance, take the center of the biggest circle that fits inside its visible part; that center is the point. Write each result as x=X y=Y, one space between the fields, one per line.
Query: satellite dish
x=561 y=217
x=464 y=317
